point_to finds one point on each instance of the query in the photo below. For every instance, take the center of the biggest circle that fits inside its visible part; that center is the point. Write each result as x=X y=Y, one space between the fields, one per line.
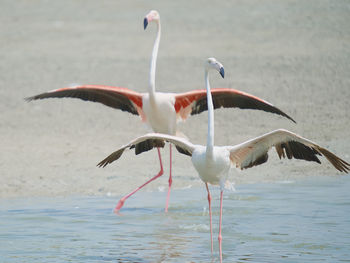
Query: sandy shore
x=295 y=54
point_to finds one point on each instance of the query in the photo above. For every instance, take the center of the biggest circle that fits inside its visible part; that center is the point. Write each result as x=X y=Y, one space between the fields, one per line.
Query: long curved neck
x=210 y=138
x=152 y=73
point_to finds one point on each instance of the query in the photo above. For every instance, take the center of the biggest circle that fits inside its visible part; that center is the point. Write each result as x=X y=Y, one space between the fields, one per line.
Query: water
x=302 y=221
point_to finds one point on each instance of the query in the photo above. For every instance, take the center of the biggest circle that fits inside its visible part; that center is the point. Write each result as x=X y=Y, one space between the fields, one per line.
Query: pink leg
x=122 y=200
x=211 y=229
x=220 y=237
x=170 y=182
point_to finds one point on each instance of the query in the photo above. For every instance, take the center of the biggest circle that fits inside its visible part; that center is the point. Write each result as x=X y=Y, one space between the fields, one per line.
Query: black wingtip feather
x=109 y=98
x=260 y=160
x=148 y=145
x=183 y=151
x=28 y=99
x=234 y=100
x=111 y=158
x=300 y=151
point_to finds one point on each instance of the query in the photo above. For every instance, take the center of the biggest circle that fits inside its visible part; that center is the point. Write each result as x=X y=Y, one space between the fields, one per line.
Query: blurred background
x=294 y=54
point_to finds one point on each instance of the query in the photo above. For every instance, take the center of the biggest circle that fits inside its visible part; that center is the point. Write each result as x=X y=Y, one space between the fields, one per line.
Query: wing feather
x=195 y=102
x=148 y=142
x=287 y=144
x=115 y=97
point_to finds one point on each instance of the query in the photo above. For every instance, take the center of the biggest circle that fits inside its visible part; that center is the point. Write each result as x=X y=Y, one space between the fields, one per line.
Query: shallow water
x=303 y=221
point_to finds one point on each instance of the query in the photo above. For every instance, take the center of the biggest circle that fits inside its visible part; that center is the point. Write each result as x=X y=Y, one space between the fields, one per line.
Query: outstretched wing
x=148 y=142
x=255 y=151
x=195 y=102
x=115 y=97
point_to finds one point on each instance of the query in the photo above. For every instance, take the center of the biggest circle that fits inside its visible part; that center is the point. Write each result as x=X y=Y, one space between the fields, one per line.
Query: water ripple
x=302 y=221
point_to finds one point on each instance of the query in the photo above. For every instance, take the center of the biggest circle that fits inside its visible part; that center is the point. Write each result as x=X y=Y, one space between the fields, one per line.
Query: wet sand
x=294 y=54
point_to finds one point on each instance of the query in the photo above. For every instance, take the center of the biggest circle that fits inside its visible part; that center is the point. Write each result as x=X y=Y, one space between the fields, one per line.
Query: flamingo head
x=151 y=16
x=212 y=63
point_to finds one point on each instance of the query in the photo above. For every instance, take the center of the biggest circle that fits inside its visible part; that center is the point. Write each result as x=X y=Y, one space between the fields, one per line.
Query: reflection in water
x=303 y=221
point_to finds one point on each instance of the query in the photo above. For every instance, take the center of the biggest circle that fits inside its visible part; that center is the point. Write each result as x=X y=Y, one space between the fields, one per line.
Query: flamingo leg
x=211 y=228
x=170 y=181
x=122 y=200
x=220 y=221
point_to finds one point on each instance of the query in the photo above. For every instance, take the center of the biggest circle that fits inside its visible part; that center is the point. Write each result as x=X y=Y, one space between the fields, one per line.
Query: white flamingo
x=160 y=110
x=213 y=162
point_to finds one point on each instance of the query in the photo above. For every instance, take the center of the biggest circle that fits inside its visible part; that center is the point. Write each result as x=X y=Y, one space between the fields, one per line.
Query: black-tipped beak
x=145 y=23
x=222 y=72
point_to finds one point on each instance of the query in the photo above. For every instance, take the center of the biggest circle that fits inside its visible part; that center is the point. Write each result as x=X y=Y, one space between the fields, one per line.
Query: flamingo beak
x=145 y=23
x=222 y=72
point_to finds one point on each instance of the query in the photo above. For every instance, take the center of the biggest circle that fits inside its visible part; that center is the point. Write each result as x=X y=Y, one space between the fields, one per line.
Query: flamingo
x=160 y=110
x=214 y=162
